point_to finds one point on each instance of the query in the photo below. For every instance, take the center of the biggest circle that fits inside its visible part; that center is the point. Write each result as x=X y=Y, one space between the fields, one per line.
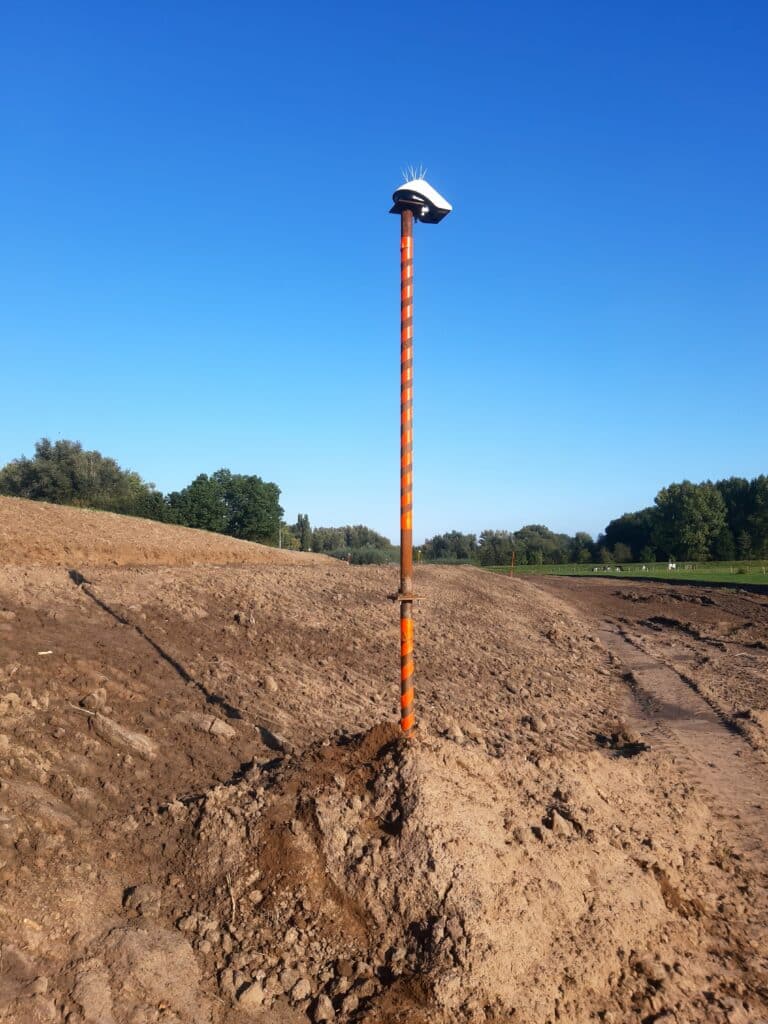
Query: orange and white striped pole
x=406 y=472
x=415 y=200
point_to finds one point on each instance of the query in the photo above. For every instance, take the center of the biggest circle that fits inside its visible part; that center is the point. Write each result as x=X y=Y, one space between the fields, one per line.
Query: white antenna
x=411 y=173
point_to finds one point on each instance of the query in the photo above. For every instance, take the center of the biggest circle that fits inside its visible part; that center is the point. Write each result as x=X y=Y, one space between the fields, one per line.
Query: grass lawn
x=735 y=573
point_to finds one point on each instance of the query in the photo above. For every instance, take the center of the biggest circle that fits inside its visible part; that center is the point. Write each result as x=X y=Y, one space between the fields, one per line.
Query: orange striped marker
x=406 y=471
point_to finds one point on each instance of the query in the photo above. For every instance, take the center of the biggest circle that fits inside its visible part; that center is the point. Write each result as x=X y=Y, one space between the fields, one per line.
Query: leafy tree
x=452 y=546
x=744 y=544
x=622 y=552
x=331 y=539
x=288 y=538
x=495 y=547
x=582 y=549
x=737 y=494
x=238 y=505
x=724 y=545
x=304 y=532
x=633 y=529
x=252 y=506
x=538 y=545
x=689 y=518
x=372 y=556
x=758 y=518
x=200 y=505
x=66 y=474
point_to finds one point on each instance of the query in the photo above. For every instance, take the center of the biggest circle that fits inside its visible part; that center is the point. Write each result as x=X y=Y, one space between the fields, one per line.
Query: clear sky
x=197 y=268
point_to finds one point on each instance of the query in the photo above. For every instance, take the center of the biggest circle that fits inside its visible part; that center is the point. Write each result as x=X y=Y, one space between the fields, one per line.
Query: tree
x=66 y=474
x=633 y=529
x=252 y=506
x=622 y=552
x=724 y=546
x=238 y=505
x=495 y=547
x=758 y=518
x=538 y=545
x=744 y=544
x=582 y=548
x=304 y=532
x=288 y=537
x=200 y=505
x=452 y=546
x=689 y=518
x=343 y=539
x=737 y=494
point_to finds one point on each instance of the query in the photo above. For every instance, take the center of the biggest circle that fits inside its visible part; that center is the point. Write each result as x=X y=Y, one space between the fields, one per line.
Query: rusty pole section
x=406 y=472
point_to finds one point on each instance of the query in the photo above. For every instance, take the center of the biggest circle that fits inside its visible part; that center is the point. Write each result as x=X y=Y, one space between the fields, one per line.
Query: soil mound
x=37 y=533
x=377 y=880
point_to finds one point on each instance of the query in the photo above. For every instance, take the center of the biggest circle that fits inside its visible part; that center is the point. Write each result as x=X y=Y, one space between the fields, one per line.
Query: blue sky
x=197 y=268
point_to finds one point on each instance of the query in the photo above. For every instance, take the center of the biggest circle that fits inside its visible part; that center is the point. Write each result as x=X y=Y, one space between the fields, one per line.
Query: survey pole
x=406 y=471
x=415 y=200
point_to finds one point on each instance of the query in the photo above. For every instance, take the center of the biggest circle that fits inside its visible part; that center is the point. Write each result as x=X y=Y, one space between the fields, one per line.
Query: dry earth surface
x=207 y=816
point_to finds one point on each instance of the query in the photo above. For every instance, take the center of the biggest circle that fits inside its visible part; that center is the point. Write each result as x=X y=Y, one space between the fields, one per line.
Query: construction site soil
x=207 y=815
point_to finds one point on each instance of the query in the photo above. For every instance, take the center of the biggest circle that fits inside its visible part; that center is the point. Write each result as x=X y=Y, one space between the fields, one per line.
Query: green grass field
x=734 y=573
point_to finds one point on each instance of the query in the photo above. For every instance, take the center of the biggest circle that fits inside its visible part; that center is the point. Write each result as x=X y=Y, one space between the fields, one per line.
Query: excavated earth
x=207 y=815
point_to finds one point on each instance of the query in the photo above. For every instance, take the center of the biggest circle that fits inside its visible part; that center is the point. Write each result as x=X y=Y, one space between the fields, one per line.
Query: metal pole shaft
x=406 y=471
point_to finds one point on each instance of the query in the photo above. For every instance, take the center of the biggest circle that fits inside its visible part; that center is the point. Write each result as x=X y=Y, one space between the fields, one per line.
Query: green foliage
x=288 y=538
x=633 y=530
x=330 y=539
x=65 y=474
x=689 y=519
x=365 y=555
x=238 y=505
x=495 y=547
x=622 y=553
x=200 y=505
x=758 y=516
x=453 y=546
x=303 y=531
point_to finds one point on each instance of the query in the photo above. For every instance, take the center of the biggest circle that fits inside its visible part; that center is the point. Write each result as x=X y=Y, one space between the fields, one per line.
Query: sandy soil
x=36 y=533
x=207 y=815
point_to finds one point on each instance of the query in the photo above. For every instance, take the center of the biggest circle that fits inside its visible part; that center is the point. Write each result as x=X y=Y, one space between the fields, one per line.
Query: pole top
x=422 y=199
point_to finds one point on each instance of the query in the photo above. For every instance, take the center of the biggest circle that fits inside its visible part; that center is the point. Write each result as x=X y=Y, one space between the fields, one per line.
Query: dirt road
x=695 y=661
x=696 y=666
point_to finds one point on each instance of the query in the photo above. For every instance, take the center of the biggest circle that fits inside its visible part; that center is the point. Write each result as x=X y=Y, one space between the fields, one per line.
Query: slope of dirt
x=37 y=533
x=207 y=815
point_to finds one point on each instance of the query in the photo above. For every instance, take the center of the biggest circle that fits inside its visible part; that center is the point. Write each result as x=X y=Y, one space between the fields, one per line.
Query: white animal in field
x=672 y=565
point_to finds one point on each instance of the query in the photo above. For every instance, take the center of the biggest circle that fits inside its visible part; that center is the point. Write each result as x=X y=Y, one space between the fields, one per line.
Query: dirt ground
x=207 y=814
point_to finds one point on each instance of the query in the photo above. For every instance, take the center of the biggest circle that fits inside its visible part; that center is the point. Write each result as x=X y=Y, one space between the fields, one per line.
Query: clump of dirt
x=373 y=878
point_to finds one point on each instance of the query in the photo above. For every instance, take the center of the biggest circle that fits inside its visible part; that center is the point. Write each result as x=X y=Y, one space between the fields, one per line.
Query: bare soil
x=207 y=813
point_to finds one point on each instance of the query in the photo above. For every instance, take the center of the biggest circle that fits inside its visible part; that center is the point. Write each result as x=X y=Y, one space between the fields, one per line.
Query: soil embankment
x=206 y=814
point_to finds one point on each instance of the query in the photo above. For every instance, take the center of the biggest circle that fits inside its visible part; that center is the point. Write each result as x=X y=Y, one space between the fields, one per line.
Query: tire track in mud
x=731 y=777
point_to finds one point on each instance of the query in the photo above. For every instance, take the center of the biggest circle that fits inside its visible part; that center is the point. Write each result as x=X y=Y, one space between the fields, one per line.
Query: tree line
x=64 y=473
x=530 y=545
x=236 y=504
x=724 y=520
